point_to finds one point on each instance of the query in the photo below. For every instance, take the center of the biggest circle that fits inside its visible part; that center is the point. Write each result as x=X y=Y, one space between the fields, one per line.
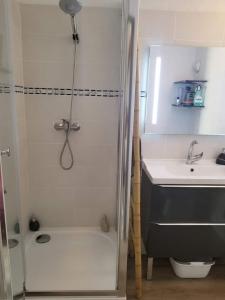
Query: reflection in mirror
x=185 y=90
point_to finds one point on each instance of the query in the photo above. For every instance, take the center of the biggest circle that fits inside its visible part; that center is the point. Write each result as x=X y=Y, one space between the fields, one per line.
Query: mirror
x=185 y=90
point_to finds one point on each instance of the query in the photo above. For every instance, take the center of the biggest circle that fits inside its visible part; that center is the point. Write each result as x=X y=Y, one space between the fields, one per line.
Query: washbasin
x=173 y=171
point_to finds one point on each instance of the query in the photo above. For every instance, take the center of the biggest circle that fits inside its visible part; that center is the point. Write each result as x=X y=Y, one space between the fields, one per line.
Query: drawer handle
x=189 y=224
x=191 y=186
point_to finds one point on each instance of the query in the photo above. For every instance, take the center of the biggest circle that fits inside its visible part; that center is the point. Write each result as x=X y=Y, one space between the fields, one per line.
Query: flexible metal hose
x=66 y=144
x=68 y=129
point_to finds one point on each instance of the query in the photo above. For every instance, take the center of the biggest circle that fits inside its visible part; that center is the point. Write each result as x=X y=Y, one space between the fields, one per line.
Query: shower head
x=71 y=7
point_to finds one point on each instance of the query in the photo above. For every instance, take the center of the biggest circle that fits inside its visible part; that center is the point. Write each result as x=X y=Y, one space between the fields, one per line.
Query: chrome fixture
x=71 y=7
x=6 y=152
x=65 y=125
x=190 y=157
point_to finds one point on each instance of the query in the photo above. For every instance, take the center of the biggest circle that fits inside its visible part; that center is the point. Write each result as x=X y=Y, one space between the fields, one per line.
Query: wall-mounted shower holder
x=64 y=124
x=5 y=152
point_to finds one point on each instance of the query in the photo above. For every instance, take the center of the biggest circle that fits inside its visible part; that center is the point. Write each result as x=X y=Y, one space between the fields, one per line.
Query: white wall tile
x=48 y=154
x=44 y=20
x=80 y=176
x=79 y=196
x=47 y=48
x=176 y=146
x=72 y=207
x=153 y=146
x=59 y=74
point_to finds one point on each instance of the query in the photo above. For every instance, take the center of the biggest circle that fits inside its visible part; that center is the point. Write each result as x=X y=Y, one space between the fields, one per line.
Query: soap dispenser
x=221 y=158
x=34 y=224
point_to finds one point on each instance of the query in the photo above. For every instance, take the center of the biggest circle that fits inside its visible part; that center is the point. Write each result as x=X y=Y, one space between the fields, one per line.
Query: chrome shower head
x=71 y=7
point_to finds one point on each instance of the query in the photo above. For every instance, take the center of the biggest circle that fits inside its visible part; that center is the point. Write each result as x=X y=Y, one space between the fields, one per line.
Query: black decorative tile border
x=5 y=89
x=77 y=92
x=66 y=92
x=19 y=89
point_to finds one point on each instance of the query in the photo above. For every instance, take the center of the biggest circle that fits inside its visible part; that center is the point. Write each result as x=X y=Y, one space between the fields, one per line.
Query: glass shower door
x=5 y=277
x=11 y=263
x=72 y=254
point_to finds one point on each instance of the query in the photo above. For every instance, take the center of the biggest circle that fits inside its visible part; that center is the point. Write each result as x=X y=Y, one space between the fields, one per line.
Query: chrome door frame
x=4 y=249
x=130 y=11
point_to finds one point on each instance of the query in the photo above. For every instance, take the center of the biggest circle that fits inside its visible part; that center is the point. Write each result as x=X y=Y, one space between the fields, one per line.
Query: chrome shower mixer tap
x=65 y=125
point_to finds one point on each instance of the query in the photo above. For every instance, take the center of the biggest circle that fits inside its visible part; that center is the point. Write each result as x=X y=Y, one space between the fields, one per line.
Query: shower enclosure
x=66 y=116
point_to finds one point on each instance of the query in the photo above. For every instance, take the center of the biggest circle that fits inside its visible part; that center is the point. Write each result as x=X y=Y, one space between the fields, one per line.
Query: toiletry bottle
x=34 y=225
x=198 y=99
x=189 y=96
x=178 y=102
x=221 y=158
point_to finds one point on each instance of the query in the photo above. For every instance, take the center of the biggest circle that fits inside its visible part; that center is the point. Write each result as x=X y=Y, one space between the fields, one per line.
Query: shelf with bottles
x=188 y=106
x=190 y=93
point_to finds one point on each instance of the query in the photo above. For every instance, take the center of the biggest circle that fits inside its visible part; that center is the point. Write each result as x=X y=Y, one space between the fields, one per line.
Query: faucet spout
x=191 y=158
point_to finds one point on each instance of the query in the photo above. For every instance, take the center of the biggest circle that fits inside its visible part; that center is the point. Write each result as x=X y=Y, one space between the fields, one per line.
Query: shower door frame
x=130 y=13
x=4 y=248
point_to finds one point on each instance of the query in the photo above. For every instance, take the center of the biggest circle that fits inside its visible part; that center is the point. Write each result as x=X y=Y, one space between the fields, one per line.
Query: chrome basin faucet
x=191 y=158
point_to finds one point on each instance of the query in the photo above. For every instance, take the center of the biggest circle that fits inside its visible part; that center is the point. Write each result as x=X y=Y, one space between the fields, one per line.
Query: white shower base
x=74 y=259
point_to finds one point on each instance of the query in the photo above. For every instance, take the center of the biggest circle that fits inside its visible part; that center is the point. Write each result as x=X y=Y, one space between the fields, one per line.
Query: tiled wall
x=78 y=197
x=181 y=28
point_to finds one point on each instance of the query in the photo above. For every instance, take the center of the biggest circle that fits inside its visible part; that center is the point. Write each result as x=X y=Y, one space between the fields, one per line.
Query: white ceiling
x=168 y=5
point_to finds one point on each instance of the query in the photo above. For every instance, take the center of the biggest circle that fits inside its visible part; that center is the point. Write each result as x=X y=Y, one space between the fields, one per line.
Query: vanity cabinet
x=186 y=222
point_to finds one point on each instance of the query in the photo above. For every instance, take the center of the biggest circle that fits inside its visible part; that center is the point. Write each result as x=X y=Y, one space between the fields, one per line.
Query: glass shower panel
x=76 y=247
x=67 y=223
x=11 y=243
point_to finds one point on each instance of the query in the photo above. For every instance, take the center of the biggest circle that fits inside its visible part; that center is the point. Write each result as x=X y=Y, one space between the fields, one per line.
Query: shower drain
x=13 y=243
x=43 y=238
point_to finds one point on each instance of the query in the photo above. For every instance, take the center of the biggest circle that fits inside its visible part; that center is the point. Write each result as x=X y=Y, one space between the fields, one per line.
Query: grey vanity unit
x=182 y=221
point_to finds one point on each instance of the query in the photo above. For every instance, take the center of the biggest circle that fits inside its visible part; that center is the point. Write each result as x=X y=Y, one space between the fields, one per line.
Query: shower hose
x=68 y=123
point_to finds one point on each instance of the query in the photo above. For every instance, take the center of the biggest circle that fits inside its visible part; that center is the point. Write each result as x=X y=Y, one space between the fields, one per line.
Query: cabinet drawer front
x=187 y=204
x=186 y=241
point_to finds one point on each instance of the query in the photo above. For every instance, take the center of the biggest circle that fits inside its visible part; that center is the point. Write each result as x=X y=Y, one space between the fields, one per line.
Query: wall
x=180 y=28
x=215 y=73
x=78 y=197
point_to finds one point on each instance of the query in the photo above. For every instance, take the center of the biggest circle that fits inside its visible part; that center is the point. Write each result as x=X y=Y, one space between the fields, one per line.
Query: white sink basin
x=204 y=172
